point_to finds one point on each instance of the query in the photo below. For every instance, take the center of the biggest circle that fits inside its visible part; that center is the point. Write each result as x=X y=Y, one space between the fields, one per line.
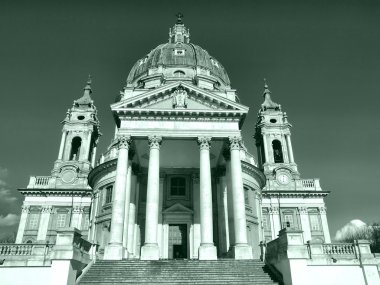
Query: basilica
x=177 y=180
x=177 y=183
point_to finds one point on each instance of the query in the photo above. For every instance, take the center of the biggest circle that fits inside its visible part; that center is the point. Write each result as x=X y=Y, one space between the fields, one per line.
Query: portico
x=193 y=207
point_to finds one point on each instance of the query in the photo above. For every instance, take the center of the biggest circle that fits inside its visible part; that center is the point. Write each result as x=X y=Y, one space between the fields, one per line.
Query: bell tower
x=272 y=137
x=80 y=134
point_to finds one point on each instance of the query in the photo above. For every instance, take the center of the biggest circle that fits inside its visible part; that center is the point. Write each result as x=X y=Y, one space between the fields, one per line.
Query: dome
x=179 y=53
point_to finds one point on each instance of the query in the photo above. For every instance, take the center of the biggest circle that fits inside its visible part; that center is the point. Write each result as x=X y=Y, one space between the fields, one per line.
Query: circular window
x=273 y=120
x=80 y=118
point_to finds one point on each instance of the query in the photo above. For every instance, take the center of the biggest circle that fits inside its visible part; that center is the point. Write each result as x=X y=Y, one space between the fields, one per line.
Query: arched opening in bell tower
x=75 y=148
x=277 y=152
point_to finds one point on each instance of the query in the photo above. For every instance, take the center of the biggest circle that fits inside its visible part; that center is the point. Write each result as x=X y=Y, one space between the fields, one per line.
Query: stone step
x=224 y=271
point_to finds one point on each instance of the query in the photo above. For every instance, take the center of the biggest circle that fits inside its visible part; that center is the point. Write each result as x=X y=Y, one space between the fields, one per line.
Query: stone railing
x=299 y=263
x=310 y=184
x=339 y=249
x=110 y=154
x=42 y=182
x=25 y=254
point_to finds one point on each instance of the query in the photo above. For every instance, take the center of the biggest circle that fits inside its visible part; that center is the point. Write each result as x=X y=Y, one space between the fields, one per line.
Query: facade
x=177 y=180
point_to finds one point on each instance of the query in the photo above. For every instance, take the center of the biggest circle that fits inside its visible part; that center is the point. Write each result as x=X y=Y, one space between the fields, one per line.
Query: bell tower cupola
x=272 y=136
x=80 y=135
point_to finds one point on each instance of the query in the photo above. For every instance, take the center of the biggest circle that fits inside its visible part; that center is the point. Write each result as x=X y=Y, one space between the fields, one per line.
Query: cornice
x=56 y=192
x=294 y=194
x=95 y=172
x=254 y=171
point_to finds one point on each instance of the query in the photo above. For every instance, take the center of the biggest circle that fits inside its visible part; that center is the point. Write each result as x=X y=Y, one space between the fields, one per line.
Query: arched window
x=277 y=151
x=75 y=148
x=179 y=73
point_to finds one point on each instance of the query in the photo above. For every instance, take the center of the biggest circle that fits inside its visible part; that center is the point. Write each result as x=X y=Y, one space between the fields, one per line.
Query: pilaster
x=21 y=227
x=325 y=225
x=305 y=223
x=44 y=223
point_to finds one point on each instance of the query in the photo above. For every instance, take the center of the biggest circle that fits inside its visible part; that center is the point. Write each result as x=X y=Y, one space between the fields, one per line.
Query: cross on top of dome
x=179 y=33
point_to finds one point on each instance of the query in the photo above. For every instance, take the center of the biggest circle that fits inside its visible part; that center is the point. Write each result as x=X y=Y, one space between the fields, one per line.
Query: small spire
x=85 y=100
x=268 y=103
x=179 y=18
x=266 y=88
x=88 y=85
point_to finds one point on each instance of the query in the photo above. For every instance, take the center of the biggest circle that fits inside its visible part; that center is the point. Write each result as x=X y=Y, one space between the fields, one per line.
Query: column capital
x=322 y=210
x=154 y=141
x=302 y=210
x=273 y=210
x=124 y=141
x=204 y=142
x=78 y=209
x=235 y=142
x=47 y=209
x=25 y=209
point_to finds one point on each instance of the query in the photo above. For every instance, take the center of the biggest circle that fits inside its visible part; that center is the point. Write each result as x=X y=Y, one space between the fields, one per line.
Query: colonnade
x=150 y=250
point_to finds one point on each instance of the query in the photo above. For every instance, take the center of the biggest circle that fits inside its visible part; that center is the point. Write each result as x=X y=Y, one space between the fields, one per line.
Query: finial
x=88 y=84
x=179 y=18
x=266 y=88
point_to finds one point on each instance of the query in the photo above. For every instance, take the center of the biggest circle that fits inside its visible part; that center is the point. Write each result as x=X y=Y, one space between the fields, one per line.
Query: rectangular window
x=86 y=222
x=288 y=221
x=61 y=220
x=33 y=221
x=178 y=186
x=314 y=222
x=108 y=198
x=246 y=195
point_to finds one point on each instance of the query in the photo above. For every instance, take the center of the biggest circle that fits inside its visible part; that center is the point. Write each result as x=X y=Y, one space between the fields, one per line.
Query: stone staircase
x=222 y=271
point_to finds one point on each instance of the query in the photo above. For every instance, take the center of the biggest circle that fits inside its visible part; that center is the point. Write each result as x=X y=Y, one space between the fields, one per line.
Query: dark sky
x=321 y=60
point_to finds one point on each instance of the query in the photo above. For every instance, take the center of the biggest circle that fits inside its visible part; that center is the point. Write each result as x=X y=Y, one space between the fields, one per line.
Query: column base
x=207 y=252
x=150 y=251
x=241 y=251
x=113 y=252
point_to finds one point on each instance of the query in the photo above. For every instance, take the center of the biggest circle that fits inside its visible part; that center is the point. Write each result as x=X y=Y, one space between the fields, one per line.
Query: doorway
x=177 y=241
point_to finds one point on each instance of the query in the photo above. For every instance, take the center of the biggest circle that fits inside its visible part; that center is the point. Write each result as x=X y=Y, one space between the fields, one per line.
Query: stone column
x=21 y=227
x=136 y=236
x=128 y=189
x=159 y=226
x=230 y=210
x=305 y=224
x=132 y=217
x=62 y=145
x=207 y=250
x=224 y=242
x=197 y=219
x=241 y=249
x=290 y=148
x=265 y=142
x=325 y=225
x=93 y=157
x=76 y=217
x=150 y=250
x=44 y=223
x=275 y=221
x=114 y=249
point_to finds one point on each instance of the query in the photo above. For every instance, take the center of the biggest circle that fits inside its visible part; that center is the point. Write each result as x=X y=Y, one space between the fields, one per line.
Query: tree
x=370 y=233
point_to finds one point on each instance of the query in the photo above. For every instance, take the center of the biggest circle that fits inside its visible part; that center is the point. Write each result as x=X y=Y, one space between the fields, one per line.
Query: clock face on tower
x=283 y=178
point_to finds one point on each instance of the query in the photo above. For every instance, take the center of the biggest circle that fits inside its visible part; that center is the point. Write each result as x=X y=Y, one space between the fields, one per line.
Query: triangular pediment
x=177 y=208
x=179 y=96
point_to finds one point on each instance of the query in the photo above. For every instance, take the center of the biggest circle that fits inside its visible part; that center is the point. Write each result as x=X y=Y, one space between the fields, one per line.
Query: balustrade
x=339 y=249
